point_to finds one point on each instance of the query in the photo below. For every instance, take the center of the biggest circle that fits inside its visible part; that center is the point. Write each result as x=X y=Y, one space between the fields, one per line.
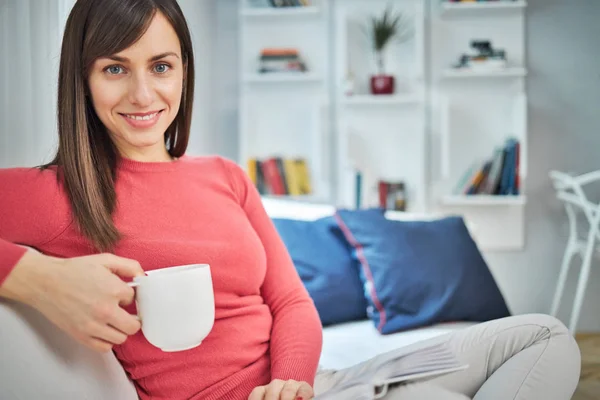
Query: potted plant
x=382 y=30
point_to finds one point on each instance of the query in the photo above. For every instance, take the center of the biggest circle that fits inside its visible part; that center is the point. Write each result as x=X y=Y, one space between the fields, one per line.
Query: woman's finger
x=124 y=322
x=305 y=391
x=123 y=267
x=98 y=345
x=258 y=393
x=107 y=334
x=289 y=391
x=274 y=389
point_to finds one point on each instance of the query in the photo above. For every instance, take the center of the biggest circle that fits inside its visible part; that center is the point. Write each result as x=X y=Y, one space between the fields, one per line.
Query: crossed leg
x=524 y=357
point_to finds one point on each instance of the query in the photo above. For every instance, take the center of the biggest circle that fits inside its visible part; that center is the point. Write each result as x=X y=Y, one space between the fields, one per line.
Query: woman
x=121 y=197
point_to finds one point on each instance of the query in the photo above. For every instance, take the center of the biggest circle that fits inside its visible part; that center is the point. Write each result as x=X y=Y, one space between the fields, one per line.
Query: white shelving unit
x=510 y=72
x=452 y=8
x=287 y=114
x=484 y=200
x=391 y=100
x=381 y=136
x=292 y=12
x=475 y=111
x=439 y=121
x=291 y=77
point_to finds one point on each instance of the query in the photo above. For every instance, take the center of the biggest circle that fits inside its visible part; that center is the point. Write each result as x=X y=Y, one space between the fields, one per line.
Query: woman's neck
x=147 y=155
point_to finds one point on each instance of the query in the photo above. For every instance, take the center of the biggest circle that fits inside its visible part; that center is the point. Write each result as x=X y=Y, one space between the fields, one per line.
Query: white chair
x=569 y=189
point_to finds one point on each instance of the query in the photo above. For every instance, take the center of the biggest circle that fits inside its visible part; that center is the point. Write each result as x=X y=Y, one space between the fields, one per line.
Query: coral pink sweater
x=193 y=210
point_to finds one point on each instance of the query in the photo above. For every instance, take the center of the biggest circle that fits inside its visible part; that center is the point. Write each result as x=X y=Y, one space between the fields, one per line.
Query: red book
x=272 y=176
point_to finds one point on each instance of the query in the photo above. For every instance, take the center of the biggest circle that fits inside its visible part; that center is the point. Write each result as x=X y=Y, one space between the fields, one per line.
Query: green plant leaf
x=390 y=25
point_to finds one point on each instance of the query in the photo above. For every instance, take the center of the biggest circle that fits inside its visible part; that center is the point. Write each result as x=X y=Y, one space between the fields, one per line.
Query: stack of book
x=280 y=176
x=280 y=3
x=392 y=195
x=498 y=175
x=280 y=60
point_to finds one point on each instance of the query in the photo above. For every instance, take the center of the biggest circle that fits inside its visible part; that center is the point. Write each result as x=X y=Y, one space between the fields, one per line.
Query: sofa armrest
x=41 y=361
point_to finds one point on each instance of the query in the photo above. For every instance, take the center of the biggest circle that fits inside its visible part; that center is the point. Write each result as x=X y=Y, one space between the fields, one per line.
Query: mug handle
x=134 y=285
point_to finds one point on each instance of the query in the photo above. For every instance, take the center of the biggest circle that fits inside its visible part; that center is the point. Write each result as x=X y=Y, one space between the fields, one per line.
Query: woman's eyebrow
x=153 y=58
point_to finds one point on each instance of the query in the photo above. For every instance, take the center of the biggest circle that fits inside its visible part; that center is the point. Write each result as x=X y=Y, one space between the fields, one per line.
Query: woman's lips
x=142 y=120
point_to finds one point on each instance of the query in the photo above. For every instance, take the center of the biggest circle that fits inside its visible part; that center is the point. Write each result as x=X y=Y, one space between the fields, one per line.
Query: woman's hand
x=283 y=390
x=81 y=295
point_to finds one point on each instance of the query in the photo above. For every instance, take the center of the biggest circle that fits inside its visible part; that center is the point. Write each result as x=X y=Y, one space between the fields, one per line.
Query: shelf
x=271 y=12
x=281 y=77
x=379 y=100
x=308 y=198
x=484 y=200
x=497 y=5
x=512 y=72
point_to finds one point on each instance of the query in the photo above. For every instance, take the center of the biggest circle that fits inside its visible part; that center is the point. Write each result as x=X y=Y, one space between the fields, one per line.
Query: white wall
x=201 y=21
x=564 y=95
x=30 y=47
x=225 y=83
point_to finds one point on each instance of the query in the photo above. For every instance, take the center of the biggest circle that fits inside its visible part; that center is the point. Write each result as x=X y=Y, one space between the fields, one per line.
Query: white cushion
x=40 y=361
x=305 y=211
x=299 y=210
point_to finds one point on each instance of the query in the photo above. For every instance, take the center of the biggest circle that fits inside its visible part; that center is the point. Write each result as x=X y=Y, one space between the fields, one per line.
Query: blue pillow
x=324 y=262
x=419 y=273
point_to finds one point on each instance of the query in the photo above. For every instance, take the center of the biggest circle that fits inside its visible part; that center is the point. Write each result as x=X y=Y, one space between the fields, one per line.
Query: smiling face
x=136 y=93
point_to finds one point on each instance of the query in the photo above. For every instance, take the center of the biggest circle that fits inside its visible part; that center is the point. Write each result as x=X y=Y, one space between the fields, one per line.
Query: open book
x=371 y=379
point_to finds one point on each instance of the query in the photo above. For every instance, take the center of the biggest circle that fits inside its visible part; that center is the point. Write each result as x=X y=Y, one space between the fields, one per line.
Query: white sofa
x=40 y=361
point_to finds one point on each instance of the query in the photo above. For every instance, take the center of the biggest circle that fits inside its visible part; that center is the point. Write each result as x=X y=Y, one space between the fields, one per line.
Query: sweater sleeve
x=31 y=213
x=296 y=336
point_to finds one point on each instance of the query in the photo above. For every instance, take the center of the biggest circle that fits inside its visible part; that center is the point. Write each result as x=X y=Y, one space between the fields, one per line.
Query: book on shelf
x=279 y=3
x=392 y=195
x=281 y=60
x=402 y=365
x=497 y=175
x=280 y=176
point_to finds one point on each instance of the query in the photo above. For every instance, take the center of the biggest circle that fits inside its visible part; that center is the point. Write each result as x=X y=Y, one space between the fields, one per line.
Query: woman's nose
x=141 y=92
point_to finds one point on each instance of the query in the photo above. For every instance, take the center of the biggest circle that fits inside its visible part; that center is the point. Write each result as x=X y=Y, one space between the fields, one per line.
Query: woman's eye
x=161 y=68
x=114 y=69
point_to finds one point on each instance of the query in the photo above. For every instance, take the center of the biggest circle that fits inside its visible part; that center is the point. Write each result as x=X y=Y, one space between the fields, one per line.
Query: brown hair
x=86 y=156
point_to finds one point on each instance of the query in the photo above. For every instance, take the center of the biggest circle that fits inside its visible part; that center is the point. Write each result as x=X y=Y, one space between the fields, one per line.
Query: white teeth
x=144 y=118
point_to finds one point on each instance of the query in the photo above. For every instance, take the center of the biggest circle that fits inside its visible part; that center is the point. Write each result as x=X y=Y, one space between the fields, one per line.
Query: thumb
x=123 y=267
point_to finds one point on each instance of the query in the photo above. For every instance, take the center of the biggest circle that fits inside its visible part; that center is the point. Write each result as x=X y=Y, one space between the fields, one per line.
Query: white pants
x=524 y=357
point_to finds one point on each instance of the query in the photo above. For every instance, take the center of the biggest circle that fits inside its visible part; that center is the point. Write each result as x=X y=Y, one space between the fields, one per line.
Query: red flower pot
x=382 y=84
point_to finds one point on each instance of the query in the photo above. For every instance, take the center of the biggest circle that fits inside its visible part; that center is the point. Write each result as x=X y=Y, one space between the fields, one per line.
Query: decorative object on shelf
x=498 y=175
x=391 y=25
x=392 y=195
x=349 y=84
x=277 y=60
x=358 y=184
x=280 y=176
x=484 y=58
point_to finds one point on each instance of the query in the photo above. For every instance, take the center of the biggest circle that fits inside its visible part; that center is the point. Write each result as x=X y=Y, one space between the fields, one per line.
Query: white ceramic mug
x=176 y=306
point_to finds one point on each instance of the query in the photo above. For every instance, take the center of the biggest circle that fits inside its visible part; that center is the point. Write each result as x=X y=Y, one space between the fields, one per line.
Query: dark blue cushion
x=324 y=262
x=418 y=273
